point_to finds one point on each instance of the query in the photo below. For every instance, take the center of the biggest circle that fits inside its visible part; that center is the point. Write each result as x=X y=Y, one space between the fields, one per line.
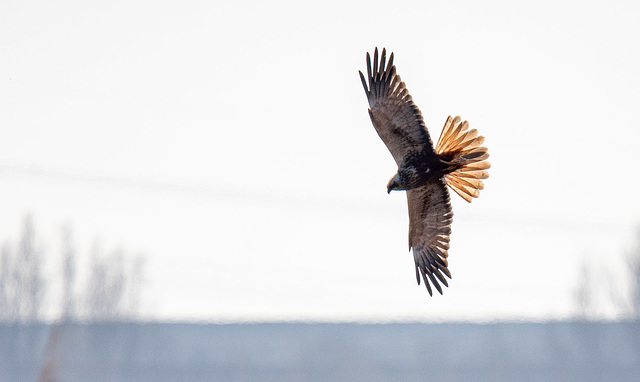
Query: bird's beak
x=393 y=184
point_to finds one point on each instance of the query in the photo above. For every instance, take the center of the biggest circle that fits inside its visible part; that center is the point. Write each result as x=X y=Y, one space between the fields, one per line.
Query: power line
x=290 y=201
x=199 y=190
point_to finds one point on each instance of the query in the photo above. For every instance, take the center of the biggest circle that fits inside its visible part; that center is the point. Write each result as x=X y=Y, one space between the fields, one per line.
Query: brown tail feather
x=462 y=149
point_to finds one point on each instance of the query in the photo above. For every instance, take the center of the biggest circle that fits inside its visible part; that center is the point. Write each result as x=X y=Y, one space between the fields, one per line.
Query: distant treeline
x=109 y=289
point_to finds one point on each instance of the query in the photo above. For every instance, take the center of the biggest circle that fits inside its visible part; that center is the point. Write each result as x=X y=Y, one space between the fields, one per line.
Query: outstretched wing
x=430 y=218
x=395 y=117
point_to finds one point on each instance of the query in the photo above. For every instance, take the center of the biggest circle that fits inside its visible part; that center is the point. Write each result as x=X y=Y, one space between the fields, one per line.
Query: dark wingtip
x=383 y=60
x=426 y=282
x=435 y=283
x=428 y=288
x=364 y=82
x=375 y=61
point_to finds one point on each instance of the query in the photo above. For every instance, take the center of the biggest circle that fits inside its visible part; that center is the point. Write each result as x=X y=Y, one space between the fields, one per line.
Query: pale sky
x=230 y=143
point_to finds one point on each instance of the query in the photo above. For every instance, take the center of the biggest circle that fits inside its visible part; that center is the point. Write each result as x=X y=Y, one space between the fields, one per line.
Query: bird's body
x=457 y=161
x=417 y=170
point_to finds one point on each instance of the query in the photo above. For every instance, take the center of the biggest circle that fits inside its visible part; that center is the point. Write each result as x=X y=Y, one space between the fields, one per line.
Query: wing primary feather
x=441 y=262
x=435 y=282
x=375 y=61
x=364 y=83
x=380 y=85
x=426 y=282
x=383 y=84
x=369 y=67
x=394 y=79
x=388 y=71
x=441 y=277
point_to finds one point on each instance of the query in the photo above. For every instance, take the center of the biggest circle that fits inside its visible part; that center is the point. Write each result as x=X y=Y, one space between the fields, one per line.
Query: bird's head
x=407 y=178
x=394 y=184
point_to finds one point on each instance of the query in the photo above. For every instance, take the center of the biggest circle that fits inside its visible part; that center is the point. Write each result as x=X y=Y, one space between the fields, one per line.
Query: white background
x=230 y=143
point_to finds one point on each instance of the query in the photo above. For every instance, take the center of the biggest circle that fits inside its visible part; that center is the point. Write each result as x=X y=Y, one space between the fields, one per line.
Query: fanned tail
x=463 y=150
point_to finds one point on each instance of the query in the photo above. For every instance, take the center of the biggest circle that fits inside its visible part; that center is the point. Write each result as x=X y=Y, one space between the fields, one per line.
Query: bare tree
x=596 y=288
x=113 y=288
x=68 y=275
x=22 y=290
x=584 y=292
x=7 y=306
x=111 y=292
x=30 y=279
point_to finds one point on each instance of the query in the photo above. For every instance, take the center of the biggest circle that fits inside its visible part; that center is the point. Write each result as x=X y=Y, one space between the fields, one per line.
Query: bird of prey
x=424 y=172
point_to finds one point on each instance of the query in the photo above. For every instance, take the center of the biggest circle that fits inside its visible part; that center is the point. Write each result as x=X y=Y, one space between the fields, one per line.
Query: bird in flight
x=424 y=172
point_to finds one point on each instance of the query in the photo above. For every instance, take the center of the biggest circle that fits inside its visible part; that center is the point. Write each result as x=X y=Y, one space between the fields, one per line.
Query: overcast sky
x=230 y=143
